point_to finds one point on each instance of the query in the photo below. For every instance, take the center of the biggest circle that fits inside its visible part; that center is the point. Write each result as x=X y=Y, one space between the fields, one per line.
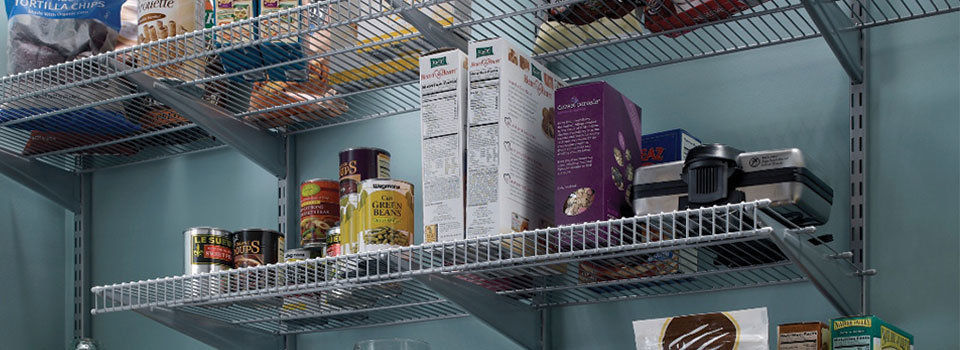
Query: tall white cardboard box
x=443 y=122
x=510 y=167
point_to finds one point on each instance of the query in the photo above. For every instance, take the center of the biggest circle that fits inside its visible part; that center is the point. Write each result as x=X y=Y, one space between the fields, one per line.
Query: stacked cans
x=357 y=165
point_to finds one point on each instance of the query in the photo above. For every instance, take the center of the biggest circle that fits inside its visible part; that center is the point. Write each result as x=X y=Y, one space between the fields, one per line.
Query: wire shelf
x=697 y=250
x=338 y=61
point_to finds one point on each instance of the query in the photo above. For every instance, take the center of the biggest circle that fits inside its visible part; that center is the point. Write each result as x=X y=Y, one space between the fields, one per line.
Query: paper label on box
x=510 y=160
x=443 y=95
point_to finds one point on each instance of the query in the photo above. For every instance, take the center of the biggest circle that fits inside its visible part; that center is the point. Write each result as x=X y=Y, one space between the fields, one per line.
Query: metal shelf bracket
x=432 y=31
x=840 y=32
x=218 y=334
x=264 y=148
x=58 y=185
x=837 y=279
x=521 y=323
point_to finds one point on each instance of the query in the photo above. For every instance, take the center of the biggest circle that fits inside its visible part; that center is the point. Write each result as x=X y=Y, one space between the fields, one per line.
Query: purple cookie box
x=593 y=119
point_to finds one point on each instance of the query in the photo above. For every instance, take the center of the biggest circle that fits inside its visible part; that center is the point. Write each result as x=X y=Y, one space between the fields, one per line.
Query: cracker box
x=443 y=122
x=597 y=149
x=666 y=146
x=868 y=333
x=803 y=336
x=510 y=167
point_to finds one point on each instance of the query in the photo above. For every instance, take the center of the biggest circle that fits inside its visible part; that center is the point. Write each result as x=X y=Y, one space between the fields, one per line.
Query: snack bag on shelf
x=663 y=15
x=741 y=330
x=322 y=100
x=587 y=22
x=42 y=34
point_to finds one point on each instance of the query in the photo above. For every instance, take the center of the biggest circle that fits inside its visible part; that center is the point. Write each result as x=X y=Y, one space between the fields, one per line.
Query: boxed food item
x=597 y=147
x=443 y=128
x=741 y=330
x=803 y=336
x=380 y=51
x=510 y=168
x=868 y=333
x=666 y=146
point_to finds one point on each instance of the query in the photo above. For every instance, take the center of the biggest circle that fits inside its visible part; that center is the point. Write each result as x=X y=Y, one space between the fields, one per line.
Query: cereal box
x=597 y=149
x=666 y=146
x=510 y=167
x=443 y=128
x=868 y=333
x=803 y=336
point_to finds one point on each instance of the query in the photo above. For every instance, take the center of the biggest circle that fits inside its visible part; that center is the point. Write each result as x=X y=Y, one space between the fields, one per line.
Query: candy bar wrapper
x=732 y=330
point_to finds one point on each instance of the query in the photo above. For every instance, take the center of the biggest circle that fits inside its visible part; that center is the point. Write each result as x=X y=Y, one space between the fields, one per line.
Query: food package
x=597 y=149
x=323 y=102
x=868 y=333
x=393 y=56
x=41 y=142
x=587 y=22
x=803 y=336
x=666 y=146
x=732 y=330
x=510 y=167
x=663 y=15
x=290 y=46
x=443 y=128
x=166 y=19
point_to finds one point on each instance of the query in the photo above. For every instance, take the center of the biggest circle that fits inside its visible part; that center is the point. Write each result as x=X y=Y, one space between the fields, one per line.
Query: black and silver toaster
x=717 y=174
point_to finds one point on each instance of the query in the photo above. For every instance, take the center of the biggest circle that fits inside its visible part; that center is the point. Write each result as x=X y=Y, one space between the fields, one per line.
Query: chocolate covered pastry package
x=731 y=330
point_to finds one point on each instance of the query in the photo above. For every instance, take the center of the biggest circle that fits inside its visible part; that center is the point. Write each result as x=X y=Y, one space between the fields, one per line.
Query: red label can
x=319 y=210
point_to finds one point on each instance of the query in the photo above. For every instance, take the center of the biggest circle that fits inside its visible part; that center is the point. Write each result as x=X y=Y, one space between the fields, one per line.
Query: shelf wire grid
x=338 y=61
x=697 y=250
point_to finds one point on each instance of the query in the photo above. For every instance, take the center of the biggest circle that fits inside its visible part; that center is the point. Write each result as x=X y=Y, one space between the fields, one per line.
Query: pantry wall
x=791 y=95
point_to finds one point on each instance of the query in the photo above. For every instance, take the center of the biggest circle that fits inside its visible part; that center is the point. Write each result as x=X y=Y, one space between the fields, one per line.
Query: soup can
x=207 y=249
x=256 y=247
x=358 y=164
x=319 y=210
x=385 y=214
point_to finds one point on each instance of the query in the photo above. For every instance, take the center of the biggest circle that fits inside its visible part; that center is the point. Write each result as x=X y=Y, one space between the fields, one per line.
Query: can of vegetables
x=319 y=211
x=385 y=213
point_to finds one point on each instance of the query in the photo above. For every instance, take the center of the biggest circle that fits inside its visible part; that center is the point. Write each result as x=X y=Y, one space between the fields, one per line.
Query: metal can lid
x=319 y=180
x=214 y=230
x=372 y=180
x=261 y=230
x=365 y=148
x=313 y=246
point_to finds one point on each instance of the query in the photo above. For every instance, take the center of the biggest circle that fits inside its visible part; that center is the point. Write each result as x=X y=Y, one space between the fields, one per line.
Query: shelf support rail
x=218 y=334
x=60 y=186
x=264 y=148
x=840 y=32
x=432 y=32
x=832 y=273
x=521 y=323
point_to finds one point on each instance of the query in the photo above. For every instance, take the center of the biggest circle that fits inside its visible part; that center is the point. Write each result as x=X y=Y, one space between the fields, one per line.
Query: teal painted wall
x=782 y=96
x=33 y=304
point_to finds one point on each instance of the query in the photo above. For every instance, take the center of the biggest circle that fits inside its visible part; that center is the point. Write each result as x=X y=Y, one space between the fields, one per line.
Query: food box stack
x=868 y=333
x=510 y=162
x=443 y=118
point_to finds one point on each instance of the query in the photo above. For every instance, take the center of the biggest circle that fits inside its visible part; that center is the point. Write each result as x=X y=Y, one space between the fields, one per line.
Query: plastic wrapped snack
x=732 y=330
x=319 y=100
x=587 y=22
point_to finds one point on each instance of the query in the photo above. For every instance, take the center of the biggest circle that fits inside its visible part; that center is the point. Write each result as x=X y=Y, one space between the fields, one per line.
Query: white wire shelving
x=359 y=61
x=699 y=250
